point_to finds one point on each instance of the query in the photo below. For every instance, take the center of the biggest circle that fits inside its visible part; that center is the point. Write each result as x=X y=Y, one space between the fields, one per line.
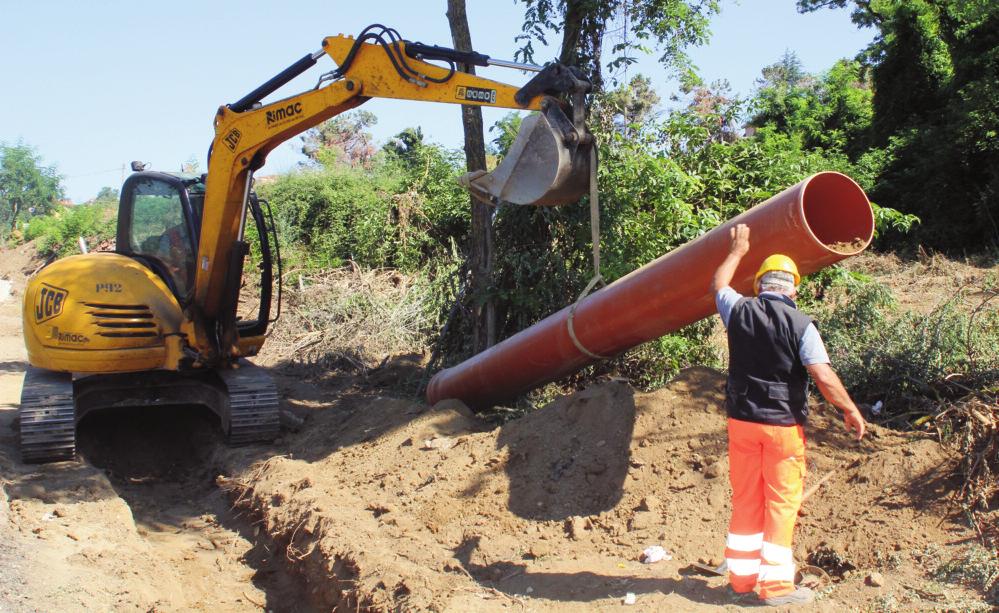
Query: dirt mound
x=19 y=263
x=389 y=505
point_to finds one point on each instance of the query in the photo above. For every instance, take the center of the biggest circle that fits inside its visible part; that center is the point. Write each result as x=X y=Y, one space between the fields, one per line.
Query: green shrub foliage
x=885 y=353
x=400 y=211
x=57 y=234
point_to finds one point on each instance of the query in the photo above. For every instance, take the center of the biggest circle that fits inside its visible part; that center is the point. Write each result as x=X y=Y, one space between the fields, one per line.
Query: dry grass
x=349 y=317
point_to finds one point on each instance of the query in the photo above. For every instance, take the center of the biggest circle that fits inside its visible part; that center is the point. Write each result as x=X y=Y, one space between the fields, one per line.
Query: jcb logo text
x=48 y=302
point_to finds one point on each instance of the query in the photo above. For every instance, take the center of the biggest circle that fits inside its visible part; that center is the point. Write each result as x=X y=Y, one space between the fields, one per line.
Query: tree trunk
x=571 y=33
x=484 y=311
x=15 y=211
x=582 y=38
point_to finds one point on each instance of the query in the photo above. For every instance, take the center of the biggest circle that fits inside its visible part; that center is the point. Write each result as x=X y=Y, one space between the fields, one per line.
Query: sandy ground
x=136 y=524
x=379 y=502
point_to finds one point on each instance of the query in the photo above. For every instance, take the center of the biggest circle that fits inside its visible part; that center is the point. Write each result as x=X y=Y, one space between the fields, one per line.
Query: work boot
x=740 y=597
x=801 y=595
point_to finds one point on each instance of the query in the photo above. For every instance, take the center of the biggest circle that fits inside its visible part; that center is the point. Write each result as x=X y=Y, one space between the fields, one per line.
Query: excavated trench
x=164 y=464
x=138 y=522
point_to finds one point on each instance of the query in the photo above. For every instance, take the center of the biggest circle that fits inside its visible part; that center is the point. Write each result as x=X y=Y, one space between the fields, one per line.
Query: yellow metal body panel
x=101 y=313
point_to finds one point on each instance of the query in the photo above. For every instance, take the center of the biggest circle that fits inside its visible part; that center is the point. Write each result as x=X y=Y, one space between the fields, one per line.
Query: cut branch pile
x=353 y=318
x=970 y=425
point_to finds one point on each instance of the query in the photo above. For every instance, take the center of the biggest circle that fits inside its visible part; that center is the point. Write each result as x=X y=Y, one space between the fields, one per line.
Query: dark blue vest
x=767 y=383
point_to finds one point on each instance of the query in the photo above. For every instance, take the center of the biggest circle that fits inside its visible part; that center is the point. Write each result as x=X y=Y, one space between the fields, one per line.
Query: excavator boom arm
x=245 y=132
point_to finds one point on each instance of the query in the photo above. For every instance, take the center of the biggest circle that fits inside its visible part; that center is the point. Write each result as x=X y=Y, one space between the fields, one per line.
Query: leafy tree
x=632 y=105
x=506 y=132
x=406 y=145
x=715 y=107
x=865 y=12
x=26 y=187
x=912 y=68
x=830 y=111
x=934 y=68
x=848 y=98
x=342 y=140
x=670 y=25
x=107 y=194
x=787 y=72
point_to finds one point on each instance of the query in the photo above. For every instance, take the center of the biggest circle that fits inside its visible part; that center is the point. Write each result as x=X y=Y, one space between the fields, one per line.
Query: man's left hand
x=854 y=422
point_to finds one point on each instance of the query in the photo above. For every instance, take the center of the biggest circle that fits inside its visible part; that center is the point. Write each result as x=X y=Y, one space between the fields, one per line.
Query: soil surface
x=137 y=523
x=378 y=502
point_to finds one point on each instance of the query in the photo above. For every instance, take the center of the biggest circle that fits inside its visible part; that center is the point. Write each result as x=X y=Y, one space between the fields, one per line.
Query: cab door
x=158 y=227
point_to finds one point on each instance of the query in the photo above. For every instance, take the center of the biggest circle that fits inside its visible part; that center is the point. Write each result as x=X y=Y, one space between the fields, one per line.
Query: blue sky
x=93 y=85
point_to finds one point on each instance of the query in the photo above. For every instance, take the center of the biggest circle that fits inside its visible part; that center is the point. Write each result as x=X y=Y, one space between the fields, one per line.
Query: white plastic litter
x=876 y=408
x=654 y=554
x=442 y=443
x=630 y=598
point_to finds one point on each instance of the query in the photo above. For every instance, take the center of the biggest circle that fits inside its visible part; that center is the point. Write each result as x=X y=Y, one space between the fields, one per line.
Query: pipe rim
x=861 y=204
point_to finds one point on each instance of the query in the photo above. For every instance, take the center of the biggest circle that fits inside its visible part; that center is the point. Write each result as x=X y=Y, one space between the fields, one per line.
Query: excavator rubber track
x=254 y=413
x=47 y=416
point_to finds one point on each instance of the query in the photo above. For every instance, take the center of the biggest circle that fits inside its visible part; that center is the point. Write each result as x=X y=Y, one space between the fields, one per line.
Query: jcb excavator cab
x=110 y=329
x=159 y=223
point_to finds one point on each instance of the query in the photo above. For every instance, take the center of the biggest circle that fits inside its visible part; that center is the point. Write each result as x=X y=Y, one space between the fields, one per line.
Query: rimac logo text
x=281 y=114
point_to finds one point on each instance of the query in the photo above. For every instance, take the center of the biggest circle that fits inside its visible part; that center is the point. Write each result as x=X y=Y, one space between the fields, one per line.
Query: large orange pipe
x=668 y=293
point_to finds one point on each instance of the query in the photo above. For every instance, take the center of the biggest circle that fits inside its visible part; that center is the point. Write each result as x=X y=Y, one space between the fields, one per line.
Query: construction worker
x=773 y=348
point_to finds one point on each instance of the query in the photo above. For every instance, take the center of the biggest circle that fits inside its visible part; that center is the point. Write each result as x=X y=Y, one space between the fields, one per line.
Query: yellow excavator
x=155 y=323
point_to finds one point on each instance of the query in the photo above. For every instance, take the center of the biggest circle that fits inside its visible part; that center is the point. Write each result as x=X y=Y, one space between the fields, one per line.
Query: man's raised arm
x=740 y=246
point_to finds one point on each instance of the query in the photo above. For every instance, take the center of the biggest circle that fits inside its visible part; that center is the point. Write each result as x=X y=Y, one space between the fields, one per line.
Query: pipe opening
x=838 y=213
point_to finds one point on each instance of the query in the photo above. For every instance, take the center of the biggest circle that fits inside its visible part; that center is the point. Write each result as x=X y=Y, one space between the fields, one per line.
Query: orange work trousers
x=767 y=471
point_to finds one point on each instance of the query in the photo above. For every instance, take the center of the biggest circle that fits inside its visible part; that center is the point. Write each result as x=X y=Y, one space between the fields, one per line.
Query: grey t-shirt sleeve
x=725 y=300
x=811 y=349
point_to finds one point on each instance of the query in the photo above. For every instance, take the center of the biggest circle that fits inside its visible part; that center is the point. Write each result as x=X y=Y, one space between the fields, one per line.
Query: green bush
x=884 y=353
x=57 y=234
x=396 y=212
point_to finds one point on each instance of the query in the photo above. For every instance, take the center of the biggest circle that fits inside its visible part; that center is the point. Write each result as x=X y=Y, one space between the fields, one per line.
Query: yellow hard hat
x=776 y=262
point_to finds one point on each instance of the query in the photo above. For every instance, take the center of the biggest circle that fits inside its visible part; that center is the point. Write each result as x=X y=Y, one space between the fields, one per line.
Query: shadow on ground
x=514 y=579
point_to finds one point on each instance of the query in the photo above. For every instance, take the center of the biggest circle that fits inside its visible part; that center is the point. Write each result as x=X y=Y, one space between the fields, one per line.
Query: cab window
x=159 y=231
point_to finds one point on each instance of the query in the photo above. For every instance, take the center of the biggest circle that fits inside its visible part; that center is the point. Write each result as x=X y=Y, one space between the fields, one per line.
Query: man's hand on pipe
x=740 y=240
x=740 y=246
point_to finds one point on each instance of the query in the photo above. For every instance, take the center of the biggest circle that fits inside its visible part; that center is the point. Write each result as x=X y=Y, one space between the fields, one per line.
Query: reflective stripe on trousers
x=766 y=470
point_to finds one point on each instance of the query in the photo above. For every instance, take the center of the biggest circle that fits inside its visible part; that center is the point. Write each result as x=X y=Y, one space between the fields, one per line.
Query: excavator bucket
x=540 y=169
